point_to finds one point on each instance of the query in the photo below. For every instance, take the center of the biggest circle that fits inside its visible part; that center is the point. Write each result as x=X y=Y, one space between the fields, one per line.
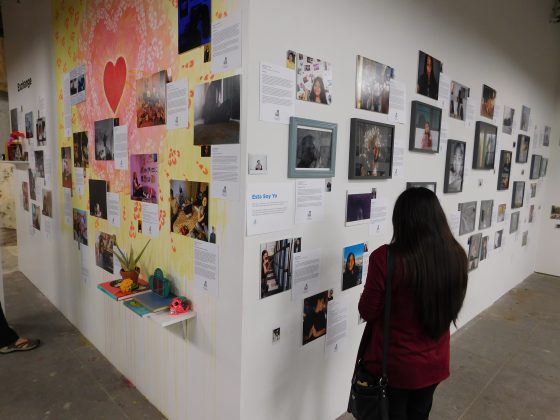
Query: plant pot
x=131 y=275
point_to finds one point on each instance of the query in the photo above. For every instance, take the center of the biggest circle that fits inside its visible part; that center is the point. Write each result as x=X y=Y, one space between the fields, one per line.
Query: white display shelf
x=165 y=319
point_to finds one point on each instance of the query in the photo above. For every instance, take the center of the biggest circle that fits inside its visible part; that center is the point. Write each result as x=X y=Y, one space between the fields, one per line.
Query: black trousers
x=410 y=404
x=7 y=335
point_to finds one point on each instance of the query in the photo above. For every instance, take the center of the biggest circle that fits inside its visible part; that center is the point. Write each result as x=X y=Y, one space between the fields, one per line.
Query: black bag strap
x=387 y=311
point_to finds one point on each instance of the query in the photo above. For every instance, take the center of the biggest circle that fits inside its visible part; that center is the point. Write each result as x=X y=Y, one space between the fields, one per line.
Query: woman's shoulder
x=380 y=254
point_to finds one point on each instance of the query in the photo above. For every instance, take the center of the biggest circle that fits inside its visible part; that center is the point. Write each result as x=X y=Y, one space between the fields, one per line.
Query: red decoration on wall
x=114 y=78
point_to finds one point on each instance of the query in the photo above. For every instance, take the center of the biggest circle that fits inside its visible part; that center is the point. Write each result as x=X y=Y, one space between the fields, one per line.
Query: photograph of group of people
x=313 y=78
x=144 y=177
x=150 y=99
x=79 y=224
x=104 y=140
x=104 y=244
x=373 y=84
x=276 y=265
x=188 y=205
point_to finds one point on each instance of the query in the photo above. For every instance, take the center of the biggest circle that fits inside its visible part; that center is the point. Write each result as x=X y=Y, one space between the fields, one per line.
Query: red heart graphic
x=114 y=78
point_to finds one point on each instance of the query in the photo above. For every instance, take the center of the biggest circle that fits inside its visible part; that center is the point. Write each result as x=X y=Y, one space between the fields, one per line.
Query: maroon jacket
x=415 y=360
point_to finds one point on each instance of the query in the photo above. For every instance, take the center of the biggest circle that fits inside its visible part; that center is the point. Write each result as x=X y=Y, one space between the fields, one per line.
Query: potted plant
x=129 y=268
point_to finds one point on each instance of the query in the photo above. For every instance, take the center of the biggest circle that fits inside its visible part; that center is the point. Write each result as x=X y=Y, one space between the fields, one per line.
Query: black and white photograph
x=484 y=145
x=276 y=266
x=544 y=166
x=504 y=170
x=314 y=317
x=454 y=166
x=486 y=208
x=39 y=163
x=104 y=140
x=217 y=110
x=371 y=150
x=372 y=85
x=533 y=187
x=488 y=102
x=104 y=244
x=514 y=222
x=522 y=148
x=312 y=149
x=458 y=101
x=531 y=213
x=468 y=217
x=429 y=185
x=546 y=136
x=314 y=81
x=429 y=69
x=484 y=248
x=276 y=335
x=358 y=207
x=525 y=115
x=524 y=238
x=41 y=131
x=475 y=242
x=507 y=122
x=517 y=194
x=498 y=238
x=14 y=119
x=36 y=216
x=424 y=128
x=32 y=184
x=29 y=125
x=535 y=166
x=258 y=164
x=98 y=198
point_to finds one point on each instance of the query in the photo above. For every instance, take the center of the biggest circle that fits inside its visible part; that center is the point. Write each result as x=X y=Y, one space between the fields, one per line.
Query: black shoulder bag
x=368 y=394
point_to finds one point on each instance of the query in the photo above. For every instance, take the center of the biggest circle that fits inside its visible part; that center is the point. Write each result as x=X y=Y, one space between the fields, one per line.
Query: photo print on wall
x=371 y=150
x=429 y=69
x=314 y=317
x=535 y=167
x=468 y=217
x=555 y=212
x=276 y=265
x=151 y=100
x=458 y=101
x=525 y=115
x=533 y=187
x=144 y=177
x=514 y=222
x=81 y=153
x=194 y=24
x=313 y=79
x=507 y=122
x=98 y=198
x=217 y=110
x=41 y=131
x=80 y=226
x=372 y=85
x=484 y=145
x=358 y=208
x=474 y=250
x=29 y=125
x=39 y=163
x=258 y=164
x=104 y=244
x=189 y=210
x=544 y=167
x=47 y=203
x=104 y=140
x=486 y=208
x=488 y=102
x=531 y=213
x=517 y=194
x=311 y=148
x=424 y=128
x=522 y=148
x=32 y=182
x=501 y=213
x=484 y=248
x=352 y=264
x=546 y=136
x=524 y=238
x=504 y=170
x=14 y=119
x=36 y=216
x=454 y=166
x=66 y=154
x=25 y=195
x=498 y=238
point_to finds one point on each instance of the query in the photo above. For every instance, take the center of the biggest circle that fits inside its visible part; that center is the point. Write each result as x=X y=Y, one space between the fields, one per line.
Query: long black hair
x=433 y=261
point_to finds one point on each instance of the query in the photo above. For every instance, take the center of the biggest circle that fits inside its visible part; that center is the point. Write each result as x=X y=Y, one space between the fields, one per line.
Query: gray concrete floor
x=505 y=363
x=65 y=378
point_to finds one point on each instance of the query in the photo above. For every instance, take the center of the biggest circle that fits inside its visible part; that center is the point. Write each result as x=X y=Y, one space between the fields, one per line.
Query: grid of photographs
x=189 y=210
x=104 y=244
x=425 y=129
x=488 y=102
x=217 y=111
x=484 y=145
x=276 y=265
x=373 y=85
x=104 y=140
x=314 y=317
x=144 y=177
x=454 y=166
x=458 y=102
x=504 y=170
x=371 y=150
x=429 y=69
x=468 y=217
x=313 y=79
x=150 y=100
x=194 y=24
x=352 y=264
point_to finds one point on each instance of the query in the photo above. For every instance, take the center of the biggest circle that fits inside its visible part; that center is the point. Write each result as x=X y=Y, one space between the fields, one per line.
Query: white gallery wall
x=507 y=45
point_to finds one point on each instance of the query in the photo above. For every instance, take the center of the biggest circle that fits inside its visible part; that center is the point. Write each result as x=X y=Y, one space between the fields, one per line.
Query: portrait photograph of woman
x=488 y=102
x=522 y=148
x=371 y=150
x=454 y=166
x=424 y=128
x=504 y=170
x=313 y=80
x=429 y=69
x=458 y=103
x=352 y=264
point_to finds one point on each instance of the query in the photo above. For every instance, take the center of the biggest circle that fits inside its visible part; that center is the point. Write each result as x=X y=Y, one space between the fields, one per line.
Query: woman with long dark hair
x=428 y=289
x=317 y=93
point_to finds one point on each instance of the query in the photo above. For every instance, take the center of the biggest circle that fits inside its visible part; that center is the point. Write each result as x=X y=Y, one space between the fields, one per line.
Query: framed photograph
x=501 y=213
x=454 y=166
x=352 y=264
x=312 y=149
x=372 y=85
x=517 y=195
x=276 y=266
x=507 y=122
x=484 y=248
x=458 y=101
x=488 y=102
x=429 y=69
x=468 y=217
x=429 y=185
x=522 y=151
x=546 y=136
x=498 y=238
x=484 y=145
x=504 y=170
x=358 y=208
x=371 y=150
x=514 y=222
x=544 y=166
x=535 y=166
x=194 y=24
x=313 y=79
x=525 y=114
x=475 y=242
x=25 y=195
x=104 y=141
x=98 y=198
x=217 y=111
x=315 y=317
x=424 y=128
x=486 y=208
